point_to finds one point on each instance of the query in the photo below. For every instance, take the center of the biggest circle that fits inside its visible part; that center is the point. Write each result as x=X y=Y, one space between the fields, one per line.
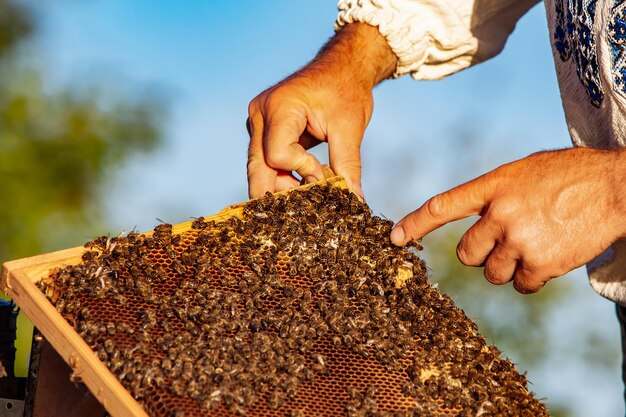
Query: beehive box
x=291 y=305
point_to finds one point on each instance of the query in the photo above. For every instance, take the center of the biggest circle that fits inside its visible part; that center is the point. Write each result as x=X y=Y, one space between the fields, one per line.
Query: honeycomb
x=301 y=307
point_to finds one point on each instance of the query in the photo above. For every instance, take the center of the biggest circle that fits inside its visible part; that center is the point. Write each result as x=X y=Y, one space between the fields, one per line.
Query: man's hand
x=328 y=100
x=541 y=216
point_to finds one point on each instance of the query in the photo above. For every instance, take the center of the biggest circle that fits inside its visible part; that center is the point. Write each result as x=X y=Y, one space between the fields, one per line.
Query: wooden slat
x=18 y=279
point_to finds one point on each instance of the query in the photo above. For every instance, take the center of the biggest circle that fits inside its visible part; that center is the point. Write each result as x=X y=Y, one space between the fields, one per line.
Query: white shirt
x=436 y=38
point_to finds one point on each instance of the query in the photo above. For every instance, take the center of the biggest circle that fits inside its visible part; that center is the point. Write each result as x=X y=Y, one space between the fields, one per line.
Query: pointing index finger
x=462 y=201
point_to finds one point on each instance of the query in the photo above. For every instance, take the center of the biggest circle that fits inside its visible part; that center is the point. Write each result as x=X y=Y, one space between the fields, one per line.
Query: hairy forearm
x=358 y=53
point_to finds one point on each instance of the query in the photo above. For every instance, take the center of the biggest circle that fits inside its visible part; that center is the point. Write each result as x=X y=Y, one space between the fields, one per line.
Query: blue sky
x=209 y=58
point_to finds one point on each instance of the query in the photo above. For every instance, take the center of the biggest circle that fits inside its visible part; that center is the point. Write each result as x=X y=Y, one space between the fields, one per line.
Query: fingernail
x=309 y=179
x=397 y=236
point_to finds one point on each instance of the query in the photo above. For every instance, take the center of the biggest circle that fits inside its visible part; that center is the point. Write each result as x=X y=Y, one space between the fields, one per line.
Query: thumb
x=344 y=148
x=283 y=151
x=463 y=201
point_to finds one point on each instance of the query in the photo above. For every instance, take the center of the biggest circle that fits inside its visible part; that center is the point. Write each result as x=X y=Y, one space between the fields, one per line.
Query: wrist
x=358 y=54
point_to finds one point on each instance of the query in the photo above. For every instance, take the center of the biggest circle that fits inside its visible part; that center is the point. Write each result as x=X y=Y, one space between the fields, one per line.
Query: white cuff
x=429 y=39
x=607 y=273
x=436 y=38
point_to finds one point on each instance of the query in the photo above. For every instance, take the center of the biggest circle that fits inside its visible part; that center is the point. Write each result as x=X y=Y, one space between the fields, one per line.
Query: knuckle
x=352 y=162
x=254 y=162
x=500 y=267
x=502 y=210
x=516 y=240
x=469 y=249
x=267 y=102
x=436 y=206
x=523 y=287
x=409 y=224
x=350 y=168
x=253 y=106
x=277 y=158
x=494 y=275
x=274 y=101
x=489 y=275
x=462 y=253
x=527 y=281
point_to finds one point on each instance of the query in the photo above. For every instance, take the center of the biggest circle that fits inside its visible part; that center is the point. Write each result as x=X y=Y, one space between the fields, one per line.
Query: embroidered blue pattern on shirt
x=573 y=37
x=617 y=43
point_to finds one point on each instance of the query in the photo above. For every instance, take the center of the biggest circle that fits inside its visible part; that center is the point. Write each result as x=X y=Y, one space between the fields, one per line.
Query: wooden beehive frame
x=18 y=279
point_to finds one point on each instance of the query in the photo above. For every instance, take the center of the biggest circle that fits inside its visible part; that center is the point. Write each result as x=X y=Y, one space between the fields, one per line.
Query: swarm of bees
x=301 y=307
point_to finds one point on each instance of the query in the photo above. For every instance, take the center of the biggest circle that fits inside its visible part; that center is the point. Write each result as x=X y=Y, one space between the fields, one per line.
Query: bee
x=408 y=389
x=170 y=252
x=89 y=255
x=198 y=223
x=291 y=390
x=149 y=318
x=276 y=399
x=102 y=355
x=60 y=305
x=362 y=350
x=178 y=267
x=111 y=328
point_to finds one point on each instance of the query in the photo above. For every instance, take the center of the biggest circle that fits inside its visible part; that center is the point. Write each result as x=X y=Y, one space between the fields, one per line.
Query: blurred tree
x=58 y=149
x=15 y=24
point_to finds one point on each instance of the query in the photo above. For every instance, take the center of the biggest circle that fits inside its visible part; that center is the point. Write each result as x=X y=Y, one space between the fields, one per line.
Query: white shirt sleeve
x=436 y=38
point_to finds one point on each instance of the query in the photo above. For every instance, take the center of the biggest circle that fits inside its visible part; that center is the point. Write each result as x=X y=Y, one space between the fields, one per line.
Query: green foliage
x=58 y=148
x=57 y=151
x=15 y=24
